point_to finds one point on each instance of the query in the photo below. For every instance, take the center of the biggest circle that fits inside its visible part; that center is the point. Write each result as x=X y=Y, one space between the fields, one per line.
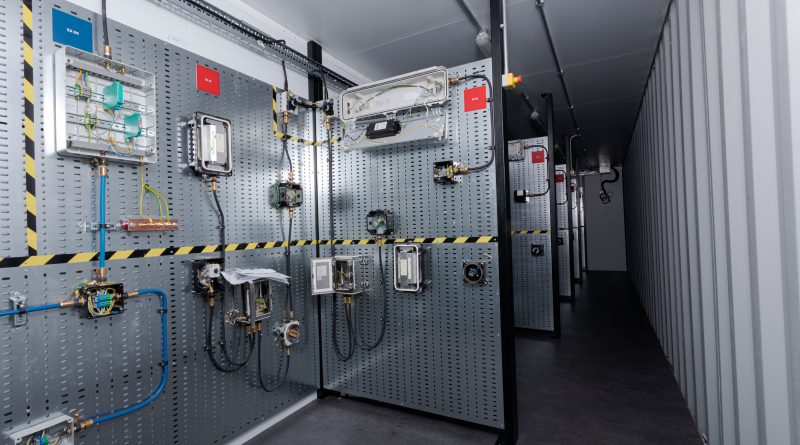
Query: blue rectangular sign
x=72 y=31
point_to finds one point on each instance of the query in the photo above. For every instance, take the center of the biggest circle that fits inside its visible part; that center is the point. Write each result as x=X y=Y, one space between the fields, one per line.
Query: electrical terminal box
x=56 y=428
x=286 y=195
x=408 y=270
x=211 y=153
x=537 y=249
x=447 y=172
x=103 y=108
x=380 y=222
x=101 y=299
x=257 y=301
x=287 y=103
x=337 y=275
x=206 y=275
x=516 y=151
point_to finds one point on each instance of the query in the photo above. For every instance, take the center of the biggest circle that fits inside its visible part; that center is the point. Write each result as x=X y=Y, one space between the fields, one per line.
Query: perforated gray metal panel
x=12 y=178
x=61 y=362
x=533 y=277
x=562 y=206
x=442 y=350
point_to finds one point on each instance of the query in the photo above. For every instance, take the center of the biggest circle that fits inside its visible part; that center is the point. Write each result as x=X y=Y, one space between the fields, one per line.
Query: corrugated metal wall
x=712 y=188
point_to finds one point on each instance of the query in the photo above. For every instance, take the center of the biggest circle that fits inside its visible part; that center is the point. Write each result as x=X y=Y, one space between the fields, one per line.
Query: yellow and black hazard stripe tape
x=281 y=135
x=530 y=232
x=86 y=257
x=29 y=127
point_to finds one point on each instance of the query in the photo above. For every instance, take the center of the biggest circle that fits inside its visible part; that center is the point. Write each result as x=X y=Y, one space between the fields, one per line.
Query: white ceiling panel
x=617 y=77
x=440 y=46
x=587 y=30
x=605 y=48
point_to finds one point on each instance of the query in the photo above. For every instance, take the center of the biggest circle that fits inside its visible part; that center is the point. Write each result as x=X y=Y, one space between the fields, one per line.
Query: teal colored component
x=133 y=125
x=102 y=301
x=113 y=97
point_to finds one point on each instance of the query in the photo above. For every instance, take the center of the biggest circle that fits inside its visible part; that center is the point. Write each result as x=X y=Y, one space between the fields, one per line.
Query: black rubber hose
x=283 y=371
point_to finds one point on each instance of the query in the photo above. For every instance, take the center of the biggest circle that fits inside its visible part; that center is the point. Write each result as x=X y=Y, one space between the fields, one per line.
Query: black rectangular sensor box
x=382 y=129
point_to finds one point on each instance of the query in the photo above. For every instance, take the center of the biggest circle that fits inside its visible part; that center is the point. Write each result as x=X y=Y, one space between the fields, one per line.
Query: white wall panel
x=711 y=196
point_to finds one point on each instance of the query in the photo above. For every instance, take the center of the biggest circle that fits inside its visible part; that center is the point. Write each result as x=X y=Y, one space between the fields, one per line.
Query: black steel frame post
x=551 y=173
x=570 y=223
x=315 y=94
x=510 y=432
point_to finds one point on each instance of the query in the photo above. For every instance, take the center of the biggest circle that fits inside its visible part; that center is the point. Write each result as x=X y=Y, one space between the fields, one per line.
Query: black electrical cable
x=106 y=43
x=605 y=197
x=565 y=179
x=334 y=315
x=210 y=346
x=283 y=371
x=336 y=348
x=536 y=195
x=224 y=342
x=385 y=309
x=489 y=99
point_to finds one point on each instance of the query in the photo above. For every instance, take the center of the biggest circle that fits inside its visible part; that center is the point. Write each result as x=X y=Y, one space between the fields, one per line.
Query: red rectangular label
x=474 y=99
x=559 y=177
x=207 y=80
x=537 y=157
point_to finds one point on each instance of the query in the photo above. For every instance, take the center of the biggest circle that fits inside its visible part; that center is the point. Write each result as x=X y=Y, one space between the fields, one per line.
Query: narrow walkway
x=605 y=381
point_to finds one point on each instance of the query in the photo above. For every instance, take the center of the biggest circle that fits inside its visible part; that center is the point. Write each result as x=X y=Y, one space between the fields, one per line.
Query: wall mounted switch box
x=286 y=195
x=380 y=222
x=337 y=275
x=211 y=145
x=103 y=108
x=408 y=271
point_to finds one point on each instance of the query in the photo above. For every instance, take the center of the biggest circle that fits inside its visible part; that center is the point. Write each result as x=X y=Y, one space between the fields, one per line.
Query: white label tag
x=380 y=126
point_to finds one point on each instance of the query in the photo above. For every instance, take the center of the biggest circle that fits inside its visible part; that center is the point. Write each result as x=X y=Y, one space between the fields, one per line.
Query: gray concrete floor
x=606 y=381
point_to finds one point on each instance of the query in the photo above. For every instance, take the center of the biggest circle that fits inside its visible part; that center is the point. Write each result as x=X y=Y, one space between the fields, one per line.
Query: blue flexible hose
x=100 y=418
x=43 y=307
x=102 y=254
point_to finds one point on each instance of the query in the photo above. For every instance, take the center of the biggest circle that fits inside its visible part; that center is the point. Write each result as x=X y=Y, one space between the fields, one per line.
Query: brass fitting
x=253 y=329
x=347 y=299
x=291 y=212
x=100 y=274
x=460 y=169
x=131 y=294
x=453 y=80
x=289 y=315
x=213 y=183
x=286 y=118
x=102 y=168
x=68 y=304
x=290 y=176
x=327 y=122
x=287 y=350
x=212 y=301
x=107 y=51
x=85 y=424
